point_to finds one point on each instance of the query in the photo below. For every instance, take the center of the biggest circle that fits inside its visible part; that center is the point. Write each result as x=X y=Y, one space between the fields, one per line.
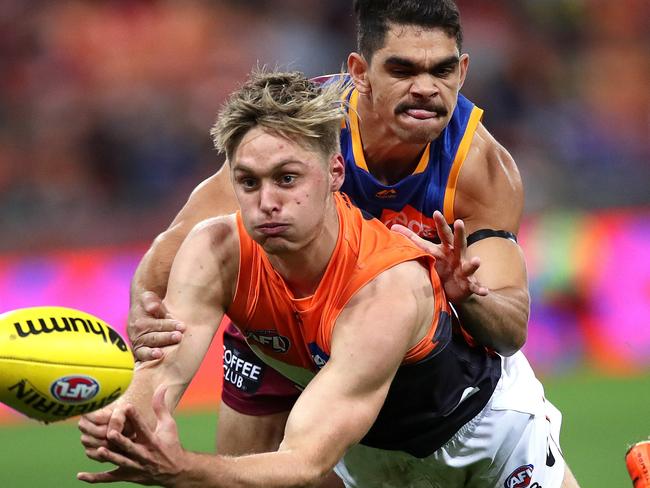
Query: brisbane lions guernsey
x=442 y=383
x=432 y=185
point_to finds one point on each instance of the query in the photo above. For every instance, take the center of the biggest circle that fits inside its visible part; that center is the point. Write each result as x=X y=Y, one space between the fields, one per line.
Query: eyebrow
x=410 y=64
x=249 y=169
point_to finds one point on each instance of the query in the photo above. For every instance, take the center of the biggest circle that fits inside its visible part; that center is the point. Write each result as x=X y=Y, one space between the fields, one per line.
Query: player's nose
x=424 y=85
x=268 y=198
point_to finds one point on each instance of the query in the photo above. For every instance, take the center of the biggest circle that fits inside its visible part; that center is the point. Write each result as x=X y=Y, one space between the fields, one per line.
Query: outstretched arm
x=490 y=196
x=334 y=412
x=198 y=293
x=151 y=326
x=485 y=281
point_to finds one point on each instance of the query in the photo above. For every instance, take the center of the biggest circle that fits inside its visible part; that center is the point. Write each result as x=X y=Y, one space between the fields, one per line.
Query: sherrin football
x=57 y=362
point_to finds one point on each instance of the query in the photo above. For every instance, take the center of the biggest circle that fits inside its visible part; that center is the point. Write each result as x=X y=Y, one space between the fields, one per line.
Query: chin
x=276 y=246
x=419 y=133
x=422 y=136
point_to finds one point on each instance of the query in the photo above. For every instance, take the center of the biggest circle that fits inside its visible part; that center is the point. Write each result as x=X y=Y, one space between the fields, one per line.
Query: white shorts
x=512 y=443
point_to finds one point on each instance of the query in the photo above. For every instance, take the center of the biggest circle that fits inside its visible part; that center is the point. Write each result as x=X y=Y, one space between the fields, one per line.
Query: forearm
x=147 y=377
x=282 y=469
x=498 y=320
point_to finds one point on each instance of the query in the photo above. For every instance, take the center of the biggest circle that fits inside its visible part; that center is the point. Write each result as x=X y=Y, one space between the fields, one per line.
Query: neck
x=389 y=159
x=303 y=270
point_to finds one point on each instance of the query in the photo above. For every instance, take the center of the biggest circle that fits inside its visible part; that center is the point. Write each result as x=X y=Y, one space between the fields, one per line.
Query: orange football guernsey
x=298 y=331
x=293 y=335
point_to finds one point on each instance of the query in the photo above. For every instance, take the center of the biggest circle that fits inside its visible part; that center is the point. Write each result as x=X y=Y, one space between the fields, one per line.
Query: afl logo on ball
x=74 y=389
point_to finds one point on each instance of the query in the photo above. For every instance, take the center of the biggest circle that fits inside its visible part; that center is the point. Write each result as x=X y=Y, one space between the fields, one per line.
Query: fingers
x=144 y=353
x=468 y=269
x=105 y=477
x=459 y=238
x=149 y=335
x=91 y=442
x=93 y=429
x=125 y=445
x=117 y=421
x=443 y=230
x=423 y=244
x=479 y=290
x=153 y=305
x=142 y=431
x=148 y=325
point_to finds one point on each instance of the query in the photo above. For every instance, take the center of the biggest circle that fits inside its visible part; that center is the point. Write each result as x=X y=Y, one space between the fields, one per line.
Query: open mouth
x=421 y=114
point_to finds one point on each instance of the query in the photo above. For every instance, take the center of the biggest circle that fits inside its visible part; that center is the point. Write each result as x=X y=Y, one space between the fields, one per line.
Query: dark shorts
x=250 y=386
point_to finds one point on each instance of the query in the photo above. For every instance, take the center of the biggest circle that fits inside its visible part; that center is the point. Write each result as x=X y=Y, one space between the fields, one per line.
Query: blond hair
x=286 y=103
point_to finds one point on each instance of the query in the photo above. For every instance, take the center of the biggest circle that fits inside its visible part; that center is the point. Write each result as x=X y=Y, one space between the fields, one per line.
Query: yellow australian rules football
x=58 y=362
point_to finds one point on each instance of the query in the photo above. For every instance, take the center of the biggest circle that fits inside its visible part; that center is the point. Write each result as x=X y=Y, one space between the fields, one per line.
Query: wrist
x=465 y=302
x=182 y=477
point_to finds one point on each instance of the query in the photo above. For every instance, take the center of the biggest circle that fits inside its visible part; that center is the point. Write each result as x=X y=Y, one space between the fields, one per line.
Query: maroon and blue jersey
x=432 y=185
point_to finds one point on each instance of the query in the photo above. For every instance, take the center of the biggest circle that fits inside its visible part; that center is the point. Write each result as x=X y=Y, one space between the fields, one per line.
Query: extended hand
x=455 y=270
x=152 y=457
x=151 y=327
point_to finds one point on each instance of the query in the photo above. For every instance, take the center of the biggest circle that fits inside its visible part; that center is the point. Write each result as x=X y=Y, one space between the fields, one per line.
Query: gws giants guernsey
x=443 y=381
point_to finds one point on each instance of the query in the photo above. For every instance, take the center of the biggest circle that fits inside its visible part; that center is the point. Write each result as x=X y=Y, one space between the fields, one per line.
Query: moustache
x=430 y=107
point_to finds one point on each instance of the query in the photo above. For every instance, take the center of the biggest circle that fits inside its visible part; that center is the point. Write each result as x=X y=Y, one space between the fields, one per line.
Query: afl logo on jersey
x=269 y=339
x=388 y=193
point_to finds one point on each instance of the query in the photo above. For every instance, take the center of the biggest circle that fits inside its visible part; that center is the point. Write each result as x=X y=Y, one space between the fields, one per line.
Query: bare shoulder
x=210 y=254
x=490 y=190
x=215 y=239
x=397 y=301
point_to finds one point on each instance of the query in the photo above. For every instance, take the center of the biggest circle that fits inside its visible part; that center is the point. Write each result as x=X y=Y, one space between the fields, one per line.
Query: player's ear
x=358 y=69
x=337 y=171
x=464 y=64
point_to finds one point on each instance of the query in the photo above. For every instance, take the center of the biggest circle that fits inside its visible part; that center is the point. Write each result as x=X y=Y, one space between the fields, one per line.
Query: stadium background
x=104 y=114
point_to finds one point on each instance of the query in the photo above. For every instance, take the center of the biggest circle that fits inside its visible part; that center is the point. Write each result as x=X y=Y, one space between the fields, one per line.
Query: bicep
x=503 y=263
x=197 y=295
x=369 y=343
x=491 y=196
x=490 y=193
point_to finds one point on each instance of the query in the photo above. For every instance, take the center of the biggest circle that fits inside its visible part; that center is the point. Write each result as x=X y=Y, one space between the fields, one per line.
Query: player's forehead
x=261 y=150
x=418 y=44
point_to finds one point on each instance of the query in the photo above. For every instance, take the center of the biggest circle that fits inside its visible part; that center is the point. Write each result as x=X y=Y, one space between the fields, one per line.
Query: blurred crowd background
x=105 y=110
x=105 y=106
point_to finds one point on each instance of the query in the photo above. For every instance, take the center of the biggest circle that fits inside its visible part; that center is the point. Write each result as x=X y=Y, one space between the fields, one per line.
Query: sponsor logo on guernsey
x=520 y=477
x=412 y=219
x=388 y=193
x=270 y=339
x=74 y=389
x=317 y=355
x=69 y=324
x=240 y=369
